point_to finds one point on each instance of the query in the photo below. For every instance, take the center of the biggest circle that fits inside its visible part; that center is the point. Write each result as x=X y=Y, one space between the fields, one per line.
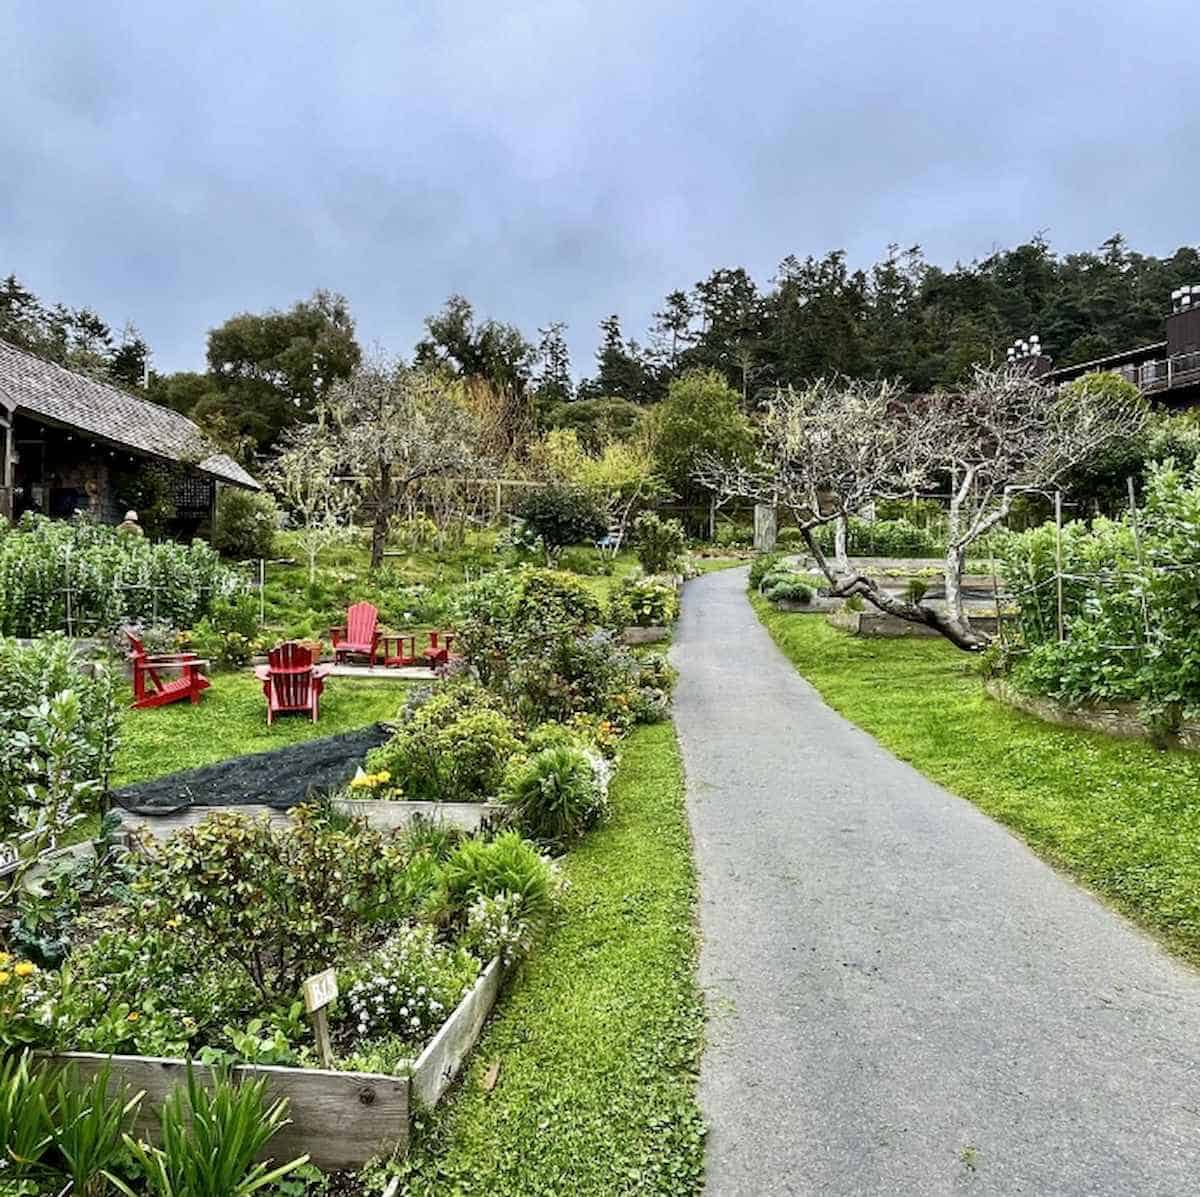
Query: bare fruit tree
x=304 y=478
x=829 y=450
x=393 y=427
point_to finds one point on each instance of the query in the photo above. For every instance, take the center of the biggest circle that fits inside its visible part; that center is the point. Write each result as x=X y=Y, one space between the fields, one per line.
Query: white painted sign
x=320 y=990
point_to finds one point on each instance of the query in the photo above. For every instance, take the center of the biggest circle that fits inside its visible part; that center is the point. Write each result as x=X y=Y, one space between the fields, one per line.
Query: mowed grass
x=1119 y=815
x=598 y=1040
x=231 y=720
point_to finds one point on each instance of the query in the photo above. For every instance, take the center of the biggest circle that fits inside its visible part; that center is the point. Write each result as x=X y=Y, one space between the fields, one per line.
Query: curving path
x=902 y=998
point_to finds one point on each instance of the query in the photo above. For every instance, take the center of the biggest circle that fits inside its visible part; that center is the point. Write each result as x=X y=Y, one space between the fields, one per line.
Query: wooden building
x=67 y=441
x=1167 y=371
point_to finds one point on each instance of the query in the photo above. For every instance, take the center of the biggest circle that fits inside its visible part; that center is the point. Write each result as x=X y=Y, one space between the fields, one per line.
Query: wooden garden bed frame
x=380 y=813
x=343 y=1120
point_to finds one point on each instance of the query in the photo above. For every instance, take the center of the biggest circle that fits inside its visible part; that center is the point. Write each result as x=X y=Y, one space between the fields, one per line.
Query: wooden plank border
x=439 y=1063
x=341 y=1119
x=380 y=813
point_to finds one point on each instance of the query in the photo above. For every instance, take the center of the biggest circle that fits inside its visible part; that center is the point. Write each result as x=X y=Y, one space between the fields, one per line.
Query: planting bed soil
x=281 y=778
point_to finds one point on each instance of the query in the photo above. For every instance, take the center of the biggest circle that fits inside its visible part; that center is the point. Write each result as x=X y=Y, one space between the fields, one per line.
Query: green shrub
x=645 y=603
x=790 y=539
x=550 y=600
x=508 y=864
x=563 y=515
x=555 y=795
x=245 y=525
x=916 y=590
x=452 y=748
x=659 y=543
x=761 y=566
x=789 y=590
x=882 y=538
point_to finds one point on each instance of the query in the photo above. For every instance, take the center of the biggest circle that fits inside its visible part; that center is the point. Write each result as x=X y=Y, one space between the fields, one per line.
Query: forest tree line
x=903 y=318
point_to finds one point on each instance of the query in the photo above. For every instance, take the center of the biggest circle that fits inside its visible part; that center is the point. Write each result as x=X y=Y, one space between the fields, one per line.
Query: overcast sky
x=173 y=162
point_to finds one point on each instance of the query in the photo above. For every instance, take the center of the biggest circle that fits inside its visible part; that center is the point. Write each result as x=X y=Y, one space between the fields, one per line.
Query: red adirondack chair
x=360 y=635
x=150 y=689
x=290 y=680
x=440 y=648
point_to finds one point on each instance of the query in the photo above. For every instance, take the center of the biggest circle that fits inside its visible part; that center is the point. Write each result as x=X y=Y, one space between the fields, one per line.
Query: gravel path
x=902 y=998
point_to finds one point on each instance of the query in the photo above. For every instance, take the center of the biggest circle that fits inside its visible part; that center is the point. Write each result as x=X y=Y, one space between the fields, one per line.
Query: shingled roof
x=59 y=396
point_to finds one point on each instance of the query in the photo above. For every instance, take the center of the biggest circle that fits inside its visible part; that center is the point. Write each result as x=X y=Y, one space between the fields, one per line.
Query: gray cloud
x=175 y=163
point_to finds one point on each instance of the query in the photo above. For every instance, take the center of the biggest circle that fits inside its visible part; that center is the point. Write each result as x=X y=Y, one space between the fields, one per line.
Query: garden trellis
x=82 y=579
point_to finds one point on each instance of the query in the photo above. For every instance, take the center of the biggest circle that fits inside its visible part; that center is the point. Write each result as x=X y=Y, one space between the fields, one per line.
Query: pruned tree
x=391 y=427
x=827 y=451
x=304 y=477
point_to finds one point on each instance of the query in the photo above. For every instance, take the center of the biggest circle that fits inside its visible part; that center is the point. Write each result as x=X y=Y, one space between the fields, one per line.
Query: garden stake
x=319 y=991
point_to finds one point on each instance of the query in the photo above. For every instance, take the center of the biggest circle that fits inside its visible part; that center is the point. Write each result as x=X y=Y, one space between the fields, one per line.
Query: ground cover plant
x=1118 y=814
x=585 y=1081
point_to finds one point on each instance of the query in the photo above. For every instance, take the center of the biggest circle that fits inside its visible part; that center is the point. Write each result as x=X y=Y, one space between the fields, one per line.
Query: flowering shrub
x=452 y=747
x=24 y=1002
x=109 y=578
x=497 y=929
x=408 y=986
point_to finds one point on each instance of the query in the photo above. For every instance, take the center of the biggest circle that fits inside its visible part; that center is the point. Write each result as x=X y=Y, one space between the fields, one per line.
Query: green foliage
x=1108 y=811
x=229 y=634
x=598 y=1086
x=210 y=1140
x=761 y=566
x=699 y=418
x=451 y=747
x=735 y=536
x=556 y=795
x=497 y=928
x=479 y=868
x=645 y=603
x=1129 y=623
x=113 y=578
x=883 y=538
x=659 y=543
x=273 y=905
x=915 y=590
x=563 y=515
x=551 y=601
x=245 y=525
x=598 y=421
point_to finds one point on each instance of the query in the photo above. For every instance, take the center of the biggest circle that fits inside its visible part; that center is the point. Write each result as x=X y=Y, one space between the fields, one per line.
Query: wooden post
x=1058 y=559
x=319 y=991
x=996 y=601
x=1137 y=548
x=262 y=591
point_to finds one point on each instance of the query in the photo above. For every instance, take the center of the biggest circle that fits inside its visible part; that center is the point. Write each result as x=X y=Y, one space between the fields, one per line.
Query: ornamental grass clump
x=557 y=794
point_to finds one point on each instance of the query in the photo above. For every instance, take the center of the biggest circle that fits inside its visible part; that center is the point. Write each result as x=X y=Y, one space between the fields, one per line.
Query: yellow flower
x=4 y=959
x=133 y=1016
x=3 y=978
x=383 y=776
x=175 y=922
x=25 y=969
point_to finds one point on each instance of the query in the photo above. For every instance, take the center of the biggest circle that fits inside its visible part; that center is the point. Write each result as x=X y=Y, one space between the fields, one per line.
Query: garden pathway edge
x=902 y=998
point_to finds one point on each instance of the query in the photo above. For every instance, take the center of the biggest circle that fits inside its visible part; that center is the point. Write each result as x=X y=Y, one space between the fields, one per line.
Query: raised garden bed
x=341 y=1119
x=871 y=622
x=1112 y=718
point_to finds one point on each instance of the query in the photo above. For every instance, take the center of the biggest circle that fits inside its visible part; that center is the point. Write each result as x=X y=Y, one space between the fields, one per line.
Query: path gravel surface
x=903 y=999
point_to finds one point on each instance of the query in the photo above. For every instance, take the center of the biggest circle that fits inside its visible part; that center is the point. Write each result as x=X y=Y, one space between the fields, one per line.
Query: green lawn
x=231 y=720
x=1120 y=815
x=598 y=1042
